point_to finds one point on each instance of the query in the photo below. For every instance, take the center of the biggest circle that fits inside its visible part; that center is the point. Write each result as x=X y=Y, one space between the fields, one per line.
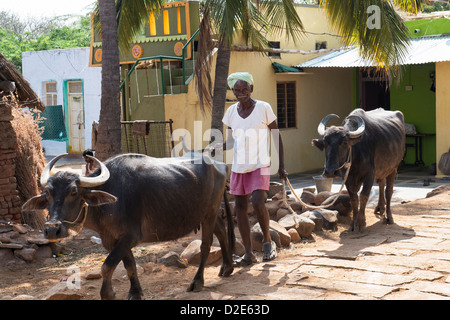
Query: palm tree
x=256 y=19
x=120 y=21
x=109 y=132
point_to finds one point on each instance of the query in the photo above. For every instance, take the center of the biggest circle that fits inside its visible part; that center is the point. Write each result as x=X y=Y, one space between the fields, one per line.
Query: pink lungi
x=245 y=183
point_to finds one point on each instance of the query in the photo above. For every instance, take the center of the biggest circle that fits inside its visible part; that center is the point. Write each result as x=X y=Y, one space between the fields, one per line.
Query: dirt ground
x=407 y=260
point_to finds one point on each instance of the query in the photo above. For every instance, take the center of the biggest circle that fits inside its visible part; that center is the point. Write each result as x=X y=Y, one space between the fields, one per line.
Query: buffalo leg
x=135 y=292
x=359 y=221
x=354 y=204
x=380 y=208
x=389 y=191
x=115 y=256
x=227 y=263
x=207 y=236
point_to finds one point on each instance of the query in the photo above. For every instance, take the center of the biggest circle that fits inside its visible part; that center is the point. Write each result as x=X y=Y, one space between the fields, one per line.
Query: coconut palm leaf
x=384 y=41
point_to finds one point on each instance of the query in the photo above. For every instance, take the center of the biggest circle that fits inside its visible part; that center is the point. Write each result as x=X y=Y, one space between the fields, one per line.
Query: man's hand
x=282 y=172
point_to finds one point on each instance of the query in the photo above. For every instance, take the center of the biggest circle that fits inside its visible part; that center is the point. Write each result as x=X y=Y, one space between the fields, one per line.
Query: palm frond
x=385 y=44
x=131 y=18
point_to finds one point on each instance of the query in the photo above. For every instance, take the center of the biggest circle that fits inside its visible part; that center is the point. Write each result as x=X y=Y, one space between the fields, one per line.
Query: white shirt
x=251 y=136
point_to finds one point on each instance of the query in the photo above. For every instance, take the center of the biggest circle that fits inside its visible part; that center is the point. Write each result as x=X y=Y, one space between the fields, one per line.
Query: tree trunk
x=220 y=86
x=109 y=131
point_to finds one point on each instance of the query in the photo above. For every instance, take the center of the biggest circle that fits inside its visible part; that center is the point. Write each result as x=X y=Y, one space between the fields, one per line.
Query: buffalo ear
x=318 y=143
x=38 y=202
x=97 y=197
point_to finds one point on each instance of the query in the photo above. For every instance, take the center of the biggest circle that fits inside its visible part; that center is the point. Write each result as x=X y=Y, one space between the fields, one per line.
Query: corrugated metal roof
x=421 y=50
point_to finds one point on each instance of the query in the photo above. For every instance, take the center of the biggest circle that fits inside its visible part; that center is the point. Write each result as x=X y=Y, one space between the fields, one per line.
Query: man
x=249 y=123
x=90 y=164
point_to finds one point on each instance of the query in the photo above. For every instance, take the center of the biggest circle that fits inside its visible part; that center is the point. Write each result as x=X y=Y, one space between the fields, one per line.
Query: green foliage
x=436 y=6
x=55 y=33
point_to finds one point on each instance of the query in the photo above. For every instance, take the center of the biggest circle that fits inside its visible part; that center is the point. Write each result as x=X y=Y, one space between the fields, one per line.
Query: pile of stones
x=20 y=244
x=285 y=227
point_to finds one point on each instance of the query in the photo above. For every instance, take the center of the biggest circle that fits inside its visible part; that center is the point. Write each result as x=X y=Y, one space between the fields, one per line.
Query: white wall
x=61 y=65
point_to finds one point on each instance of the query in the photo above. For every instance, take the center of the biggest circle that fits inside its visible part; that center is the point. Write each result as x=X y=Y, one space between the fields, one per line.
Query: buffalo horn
x=321 y=127
x=46 y=172
x=360 y=129
x=84 y=181
x=87 y=182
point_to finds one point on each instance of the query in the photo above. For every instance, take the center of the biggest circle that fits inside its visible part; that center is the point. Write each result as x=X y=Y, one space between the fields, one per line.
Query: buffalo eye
x=74 y=191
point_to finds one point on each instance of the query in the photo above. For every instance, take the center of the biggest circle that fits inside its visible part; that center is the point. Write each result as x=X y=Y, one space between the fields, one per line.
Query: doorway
x=375 y=90
x=75 y=109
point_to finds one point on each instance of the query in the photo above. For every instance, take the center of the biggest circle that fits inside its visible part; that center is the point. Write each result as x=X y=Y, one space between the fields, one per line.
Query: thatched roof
x=26 y=97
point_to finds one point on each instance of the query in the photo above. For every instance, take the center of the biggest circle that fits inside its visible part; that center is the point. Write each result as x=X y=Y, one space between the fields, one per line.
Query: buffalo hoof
x=389 y=220
x=225 y=271
x=196 y=286
x=134 y=296
x=379 y=210
x=359 y=226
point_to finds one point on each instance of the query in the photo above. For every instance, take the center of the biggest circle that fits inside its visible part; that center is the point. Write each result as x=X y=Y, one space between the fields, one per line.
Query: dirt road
x=407 y=260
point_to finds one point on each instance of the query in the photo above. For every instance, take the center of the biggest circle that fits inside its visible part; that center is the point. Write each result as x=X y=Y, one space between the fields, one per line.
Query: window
x=274 y=45
x=152 y=24
x=50 y=93
x=286 y=104
x=321 y=45
x=166 y=22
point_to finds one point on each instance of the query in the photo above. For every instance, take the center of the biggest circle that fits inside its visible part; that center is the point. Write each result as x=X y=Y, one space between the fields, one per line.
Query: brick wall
x=9 y=196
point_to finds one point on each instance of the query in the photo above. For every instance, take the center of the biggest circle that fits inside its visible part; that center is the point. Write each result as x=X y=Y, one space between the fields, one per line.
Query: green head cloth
x=235 y=77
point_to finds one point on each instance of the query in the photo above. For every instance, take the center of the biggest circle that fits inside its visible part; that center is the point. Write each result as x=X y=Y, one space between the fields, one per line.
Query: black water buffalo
x=134 y=198
x=376 y=140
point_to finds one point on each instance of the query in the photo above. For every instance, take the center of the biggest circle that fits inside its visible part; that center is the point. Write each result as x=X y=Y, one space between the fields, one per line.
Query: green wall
x=418 y=106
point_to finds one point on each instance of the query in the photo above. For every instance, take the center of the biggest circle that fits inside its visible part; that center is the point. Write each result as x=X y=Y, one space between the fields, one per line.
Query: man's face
x=242 y=90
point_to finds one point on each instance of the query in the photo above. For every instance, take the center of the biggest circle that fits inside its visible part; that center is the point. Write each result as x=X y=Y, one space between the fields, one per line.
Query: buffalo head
x=65 y=196
x=337 y=142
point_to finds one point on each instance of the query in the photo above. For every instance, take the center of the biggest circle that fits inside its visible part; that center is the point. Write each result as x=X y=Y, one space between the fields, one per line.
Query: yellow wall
x=319 y=92
x=442 y=110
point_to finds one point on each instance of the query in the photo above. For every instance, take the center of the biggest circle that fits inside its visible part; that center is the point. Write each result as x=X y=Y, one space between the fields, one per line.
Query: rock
x=257 y=239
x=342 y=204
x=192 y=253
x=295 y=237
x=321 y=197
x=274 y=188
x=11 y=246
x=329 y=218
x=6 y=255
x=277 y=232
x=44 y=252
x=173 y=259
x=316 y=217
x=278 y=196
x=308 y=196
x=273 y=206
x=26 y=254
x=20 y=228
x=93 y=274
x=281 y=213
x=305 y=225
x=57 y=248
x=38 y=241
x=239 y=248
x=62 y=291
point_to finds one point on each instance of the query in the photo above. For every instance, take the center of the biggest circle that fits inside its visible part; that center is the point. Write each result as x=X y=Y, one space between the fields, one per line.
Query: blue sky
x=45 y=8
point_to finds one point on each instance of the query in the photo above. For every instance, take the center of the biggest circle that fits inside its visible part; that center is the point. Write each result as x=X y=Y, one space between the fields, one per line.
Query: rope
x=346 y=165
x=78 y=226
